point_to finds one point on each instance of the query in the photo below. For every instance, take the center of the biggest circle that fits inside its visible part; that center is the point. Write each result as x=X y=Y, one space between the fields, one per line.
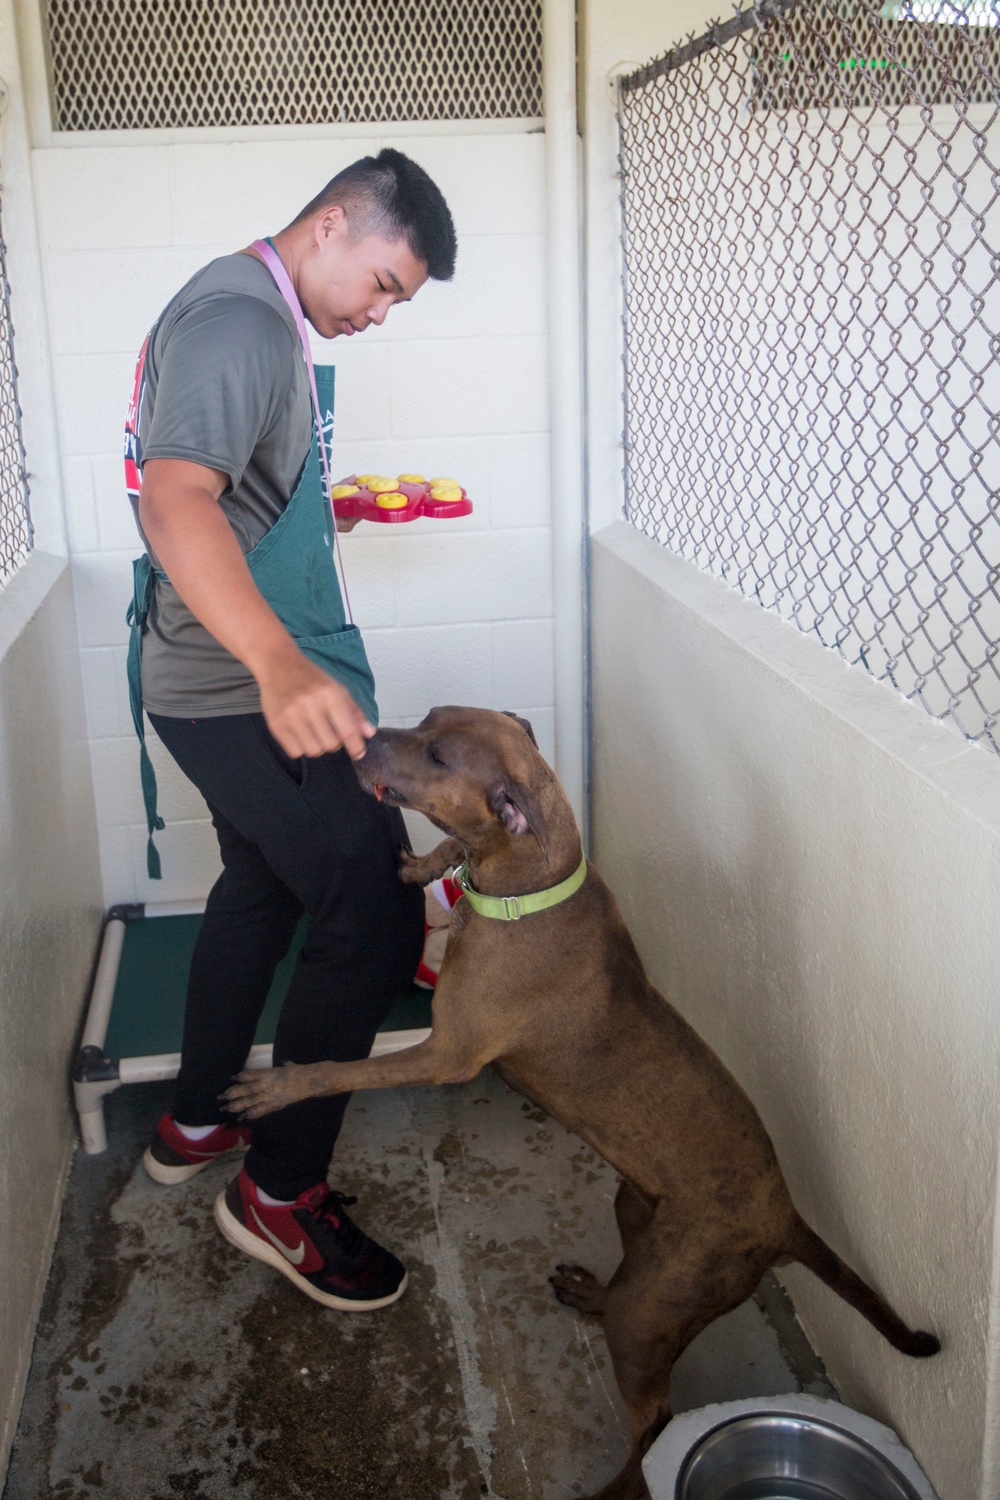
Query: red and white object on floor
x=439 y=898
x=400 y=497
x=173 y=1157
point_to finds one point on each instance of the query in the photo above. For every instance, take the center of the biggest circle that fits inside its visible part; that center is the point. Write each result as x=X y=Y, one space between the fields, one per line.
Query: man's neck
x=289 y=246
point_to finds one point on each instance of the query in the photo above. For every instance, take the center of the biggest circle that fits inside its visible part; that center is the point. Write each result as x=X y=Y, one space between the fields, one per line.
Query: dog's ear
x=510 y=714
x=519 y=811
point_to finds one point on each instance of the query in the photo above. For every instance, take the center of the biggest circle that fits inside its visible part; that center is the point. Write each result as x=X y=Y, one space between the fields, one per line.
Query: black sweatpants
x=295 y=836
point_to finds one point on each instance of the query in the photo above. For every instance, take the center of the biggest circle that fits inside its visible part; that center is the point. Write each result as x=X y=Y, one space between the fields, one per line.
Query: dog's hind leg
x=670 y=1285
x=577 y=1287
x=645 y=1334
x=642 y=1356
x=646 y=1331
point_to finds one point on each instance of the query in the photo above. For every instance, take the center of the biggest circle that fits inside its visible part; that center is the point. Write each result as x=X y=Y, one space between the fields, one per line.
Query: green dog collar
x=511 y=908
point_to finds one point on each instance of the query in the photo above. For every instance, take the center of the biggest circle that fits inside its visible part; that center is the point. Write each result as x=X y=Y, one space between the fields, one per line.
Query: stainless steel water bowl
x=773 y=1456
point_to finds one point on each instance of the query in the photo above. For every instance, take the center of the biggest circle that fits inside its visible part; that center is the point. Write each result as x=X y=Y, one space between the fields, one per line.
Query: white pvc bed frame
x=95 y=1074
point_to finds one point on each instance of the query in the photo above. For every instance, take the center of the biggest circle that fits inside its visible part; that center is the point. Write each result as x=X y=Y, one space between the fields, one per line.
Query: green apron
x=294 y=569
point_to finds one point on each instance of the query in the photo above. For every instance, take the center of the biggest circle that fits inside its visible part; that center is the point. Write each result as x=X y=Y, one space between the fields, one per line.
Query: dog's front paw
x=261 y=1093
x=410 y=868
x=422 y=869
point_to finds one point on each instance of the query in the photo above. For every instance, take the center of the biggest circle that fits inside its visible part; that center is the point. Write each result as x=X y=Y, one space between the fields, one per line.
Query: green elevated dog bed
x=135 y=1016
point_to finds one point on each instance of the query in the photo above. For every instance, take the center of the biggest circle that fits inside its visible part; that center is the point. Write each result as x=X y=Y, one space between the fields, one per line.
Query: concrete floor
x=168 y=1364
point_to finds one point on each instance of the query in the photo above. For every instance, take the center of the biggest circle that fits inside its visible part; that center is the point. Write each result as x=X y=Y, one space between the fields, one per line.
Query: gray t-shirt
x=225 y=385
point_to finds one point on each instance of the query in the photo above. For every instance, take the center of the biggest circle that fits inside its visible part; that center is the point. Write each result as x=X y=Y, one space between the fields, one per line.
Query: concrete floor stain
x=167 y=1364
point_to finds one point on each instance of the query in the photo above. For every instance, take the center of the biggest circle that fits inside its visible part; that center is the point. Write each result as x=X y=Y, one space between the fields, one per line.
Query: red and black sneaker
x=171 y=1157
x=314 y=1243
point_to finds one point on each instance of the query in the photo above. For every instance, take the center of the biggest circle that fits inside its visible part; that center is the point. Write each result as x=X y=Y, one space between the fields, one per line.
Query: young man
x=263 y=695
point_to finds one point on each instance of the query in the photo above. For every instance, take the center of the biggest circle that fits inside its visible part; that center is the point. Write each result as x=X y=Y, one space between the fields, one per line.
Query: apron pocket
x=342 y=654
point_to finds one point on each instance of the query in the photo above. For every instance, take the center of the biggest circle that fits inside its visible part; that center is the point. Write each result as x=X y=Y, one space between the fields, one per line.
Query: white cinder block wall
x=454 y=384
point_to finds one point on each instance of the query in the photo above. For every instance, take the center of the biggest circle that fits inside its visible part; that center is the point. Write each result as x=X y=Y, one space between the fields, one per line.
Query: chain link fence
x=15 y=517
x=811 y=237
x=163 y=64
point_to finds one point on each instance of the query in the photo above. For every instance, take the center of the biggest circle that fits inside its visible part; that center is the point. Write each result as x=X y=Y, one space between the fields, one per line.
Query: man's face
x=346 y=284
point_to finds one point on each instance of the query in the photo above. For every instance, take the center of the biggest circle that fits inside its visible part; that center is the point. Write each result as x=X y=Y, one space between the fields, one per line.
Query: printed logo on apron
x=133 y=448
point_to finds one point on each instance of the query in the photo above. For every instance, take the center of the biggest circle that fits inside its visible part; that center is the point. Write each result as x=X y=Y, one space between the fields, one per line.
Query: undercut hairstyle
x=390 y=196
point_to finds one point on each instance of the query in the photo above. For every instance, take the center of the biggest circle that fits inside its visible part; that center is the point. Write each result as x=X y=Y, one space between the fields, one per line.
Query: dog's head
x=477 y=774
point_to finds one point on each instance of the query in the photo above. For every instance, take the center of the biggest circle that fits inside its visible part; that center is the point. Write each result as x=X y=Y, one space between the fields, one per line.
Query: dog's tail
x=813 y=1252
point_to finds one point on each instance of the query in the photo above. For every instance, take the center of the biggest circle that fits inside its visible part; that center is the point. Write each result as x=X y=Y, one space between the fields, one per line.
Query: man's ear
x=518 y=809
x=510 y=714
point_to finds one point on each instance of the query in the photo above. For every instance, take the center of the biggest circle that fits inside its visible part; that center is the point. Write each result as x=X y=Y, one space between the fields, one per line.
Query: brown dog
x=558 y=1000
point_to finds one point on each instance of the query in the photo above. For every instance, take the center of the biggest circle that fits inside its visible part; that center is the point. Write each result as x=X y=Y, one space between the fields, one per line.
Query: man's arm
x=307 y=710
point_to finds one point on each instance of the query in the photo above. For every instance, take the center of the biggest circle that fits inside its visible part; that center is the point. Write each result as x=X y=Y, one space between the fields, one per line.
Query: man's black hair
x=389 y=195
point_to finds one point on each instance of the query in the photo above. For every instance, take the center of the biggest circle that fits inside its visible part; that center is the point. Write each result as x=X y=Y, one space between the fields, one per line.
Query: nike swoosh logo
x=296 y=1256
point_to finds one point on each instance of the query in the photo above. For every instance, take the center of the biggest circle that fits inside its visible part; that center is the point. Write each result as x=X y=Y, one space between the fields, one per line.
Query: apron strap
x=283 y=281
x=143 y=575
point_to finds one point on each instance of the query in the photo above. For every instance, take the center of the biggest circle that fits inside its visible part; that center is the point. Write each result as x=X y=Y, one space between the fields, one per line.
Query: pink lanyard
x=273 y=261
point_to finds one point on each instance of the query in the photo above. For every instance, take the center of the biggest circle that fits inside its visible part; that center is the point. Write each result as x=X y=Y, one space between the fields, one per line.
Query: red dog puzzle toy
x=380 y=497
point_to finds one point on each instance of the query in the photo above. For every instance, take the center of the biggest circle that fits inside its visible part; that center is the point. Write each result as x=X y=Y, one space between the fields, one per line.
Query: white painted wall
x=50 y=890
x=50 y=906
x=456 y=611
x=811 y=869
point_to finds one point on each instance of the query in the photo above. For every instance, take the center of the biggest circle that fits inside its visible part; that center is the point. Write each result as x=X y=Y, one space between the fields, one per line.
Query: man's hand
x=307 y=710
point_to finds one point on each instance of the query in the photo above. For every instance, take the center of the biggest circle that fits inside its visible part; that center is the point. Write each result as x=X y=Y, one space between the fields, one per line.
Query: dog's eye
x=435 y=757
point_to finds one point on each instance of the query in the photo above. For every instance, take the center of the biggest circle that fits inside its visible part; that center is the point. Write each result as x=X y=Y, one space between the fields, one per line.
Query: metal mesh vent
x=15 y=520
x=812 y=249
x=117 y=65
